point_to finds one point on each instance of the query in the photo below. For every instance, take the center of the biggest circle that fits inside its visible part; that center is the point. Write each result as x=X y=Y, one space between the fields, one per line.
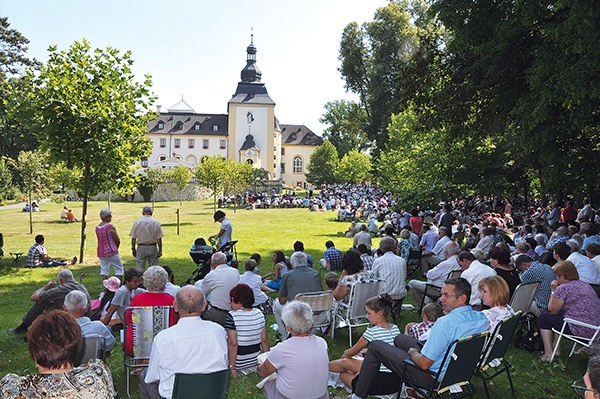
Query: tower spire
x=251 y=73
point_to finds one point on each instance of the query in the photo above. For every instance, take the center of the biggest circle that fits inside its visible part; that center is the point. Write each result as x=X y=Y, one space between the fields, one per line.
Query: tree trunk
x=30 y=214
x=86 y=188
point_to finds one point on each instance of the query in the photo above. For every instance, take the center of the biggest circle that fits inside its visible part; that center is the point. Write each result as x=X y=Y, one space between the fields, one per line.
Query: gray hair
x=189 y=300
x=573 y=244
x=387 y=244
x=75 y=301
x=105 y=212
x=451 y=248
x=299 y=259
x=298 y=316
x=65 y=275
x=155 y=279
x=147 y=210
x=218 y=258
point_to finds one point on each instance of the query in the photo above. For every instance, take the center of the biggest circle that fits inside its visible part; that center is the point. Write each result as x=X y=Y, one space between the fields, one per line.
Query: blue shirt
x=460 y=322
x=544 y=274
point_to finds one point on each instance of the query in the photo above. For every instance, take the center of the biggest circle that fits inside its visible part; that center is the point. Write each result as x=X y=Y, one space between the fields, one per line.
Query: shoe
x=74 y=260
x=17 y=331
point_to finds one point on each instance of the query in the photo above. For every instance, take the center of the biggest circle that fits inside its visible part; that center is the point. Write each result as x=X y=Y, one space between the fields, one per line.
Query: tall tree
x=88 y=110
x=323 y=163
x=211 y=174
x=32 y=166
x=354 y=167
x=346 y=122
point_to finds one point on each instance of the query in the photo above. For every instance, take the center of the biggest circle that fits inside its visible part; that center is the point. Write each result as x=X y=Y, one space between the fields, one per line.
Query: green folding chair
x=201 y=386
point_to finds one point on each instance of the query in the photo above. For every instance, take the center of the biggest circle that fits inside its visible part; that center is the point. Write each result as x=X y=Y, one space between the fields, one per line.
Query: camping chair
x=434 y=292
x=461 y=359
x=90 y=349
x=493 y=362
x=414 y=261
x=147 y=321
x=320 y=302
x=577 y=340
x=523 y=296
x=353 y=314
x=201 y=386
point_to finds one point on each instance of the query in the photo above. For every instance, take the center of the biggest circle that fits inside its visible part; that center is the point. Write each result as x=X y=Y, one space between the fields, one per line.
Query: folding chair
x=414 y=261
x=493 y=362
x=201 y=386
x=89 y=350
x=461 y=359
x=434 y=292
x=321 y=302
x=147 y=321
x=523 y=296
x=577 y=340
x=353 y=313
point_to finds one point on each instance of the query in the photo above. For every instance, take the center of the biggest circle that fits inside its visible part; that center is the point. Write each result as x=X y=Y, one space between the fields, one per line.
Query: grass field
x=261 y=231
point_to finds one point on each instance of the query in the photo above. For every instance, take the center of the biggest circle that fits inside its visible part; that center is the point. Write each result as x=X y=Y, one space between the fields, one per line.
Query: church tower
x=254 y=136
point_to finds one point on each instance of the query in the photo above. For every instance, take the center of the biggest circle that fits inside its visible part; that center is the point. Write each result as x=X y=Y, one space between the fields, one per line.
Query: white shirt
x=439 y=274
x=191 y=346
x=438 y=249
x=146 y=230
x=254 y=281
x=217 y=284
x=585 y=268
x=474 y=274
x=392 y=269
x=228 y=229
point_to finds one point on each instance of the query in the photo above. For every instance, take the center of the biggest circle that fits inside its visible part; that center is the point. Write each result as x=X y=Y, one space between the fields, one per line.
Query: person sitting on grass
x=280 y=269
x=331 y=280
x=420 y=331
x=378 y=313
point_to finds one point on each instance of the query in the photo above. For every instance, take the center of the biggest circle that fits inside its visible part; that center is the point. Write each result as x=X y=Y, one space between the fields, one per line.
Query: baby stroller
x=201 y=254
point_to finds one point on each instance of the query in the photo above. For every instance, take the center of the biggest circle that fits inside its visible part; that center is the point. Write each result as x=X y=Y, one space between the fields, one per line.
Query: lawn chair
x=321 y=303
x=353 y=314
x=434 y=292
x=147 y=321
x=201 y=386
x=461 y=358
x=493 y=362
x=577 y=340
x=414 y=261
x=90 y=349
x=523 y=296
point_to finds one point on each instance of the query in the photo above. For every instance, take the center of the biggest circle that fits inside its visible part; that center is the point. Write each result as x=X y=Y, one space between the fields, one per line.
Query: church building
x=249 y=132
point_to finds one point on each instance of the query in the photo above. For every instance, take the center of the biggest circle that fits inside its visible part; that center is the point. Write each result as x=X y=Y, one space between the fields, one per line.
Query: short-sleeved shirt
x=496 y=314
x=228 y=230
x=300 y=279
x=392 y=270
x=386 y=335
x=249 y=326
x=35 y=255
x=334 y=256
x=580 y=303
x=57 y=295
x=146 y=230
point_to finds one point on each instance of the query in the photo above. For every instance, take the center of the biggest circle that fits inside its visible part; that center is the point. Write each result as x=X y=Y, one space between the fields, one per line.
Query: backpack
x=528 y=335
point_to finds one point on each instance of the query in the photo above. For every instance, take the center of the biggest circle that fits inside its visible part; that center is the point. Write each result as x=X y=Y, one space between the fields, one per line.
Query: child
x=420 y=331
x=378 y=312
x=331 y=280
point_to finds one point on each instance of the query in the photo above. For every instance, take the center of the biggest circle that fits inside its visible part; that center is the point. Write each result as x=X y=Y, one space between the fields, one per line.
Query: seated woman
x=54 y=340
x=301 y=361
x=499 y=260
x=379 y=309
x=253 y=281
x=405 y=245
x=494 y=293
x=279 y=270
x=352 y=272
x=570 y=298
x=246 y=332
x=155 y=281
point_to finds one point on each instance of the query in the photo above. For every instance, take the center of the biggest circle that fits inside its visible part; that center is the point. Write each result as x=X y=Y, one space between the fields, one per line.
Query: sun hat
x=112 y=284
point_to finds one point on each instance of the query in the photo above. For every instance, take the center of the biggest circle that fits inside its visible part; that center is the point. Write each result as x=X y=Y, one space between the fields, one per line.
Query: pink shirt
x=107 y=246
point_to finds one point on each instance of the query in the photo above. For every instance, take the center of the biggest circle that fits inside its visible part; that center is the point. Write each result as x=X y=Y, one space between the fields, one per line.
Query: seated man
x=51 y=296
x=460 y=320
x=77 y=305
x=191 y=346
x=332 y=257
x=533 y=271
x=216 y=286
x=38 y=256
x=473 y=272
x=436 y=255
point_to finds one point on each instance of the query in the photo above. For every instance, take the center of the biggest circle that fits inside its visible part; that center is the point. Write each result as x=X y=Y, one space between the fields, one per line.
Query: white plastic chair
x=353 y=314
x=321 y=302
x=577 y=340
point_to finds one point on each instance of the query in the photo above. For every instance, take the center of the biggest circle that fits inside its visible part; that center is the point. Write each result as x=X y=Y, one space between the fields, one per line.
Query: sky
x=196 y=49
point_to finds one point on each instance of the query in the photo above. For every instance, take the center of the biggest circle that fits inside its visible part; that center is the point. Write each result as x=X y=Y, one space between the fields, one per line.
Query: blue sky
x=198 y=48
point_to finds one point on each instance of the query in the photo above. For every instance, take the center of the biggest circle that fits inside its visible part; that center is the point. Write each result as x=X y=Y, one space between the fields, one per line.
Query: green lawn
x=261 y=231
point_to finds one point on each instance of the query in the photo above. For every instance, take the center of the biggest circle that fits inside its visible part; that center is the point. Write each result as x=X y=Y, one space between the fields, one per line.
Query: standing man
x=191 y=346
x=108 y=246
x=460 y=320
x=147 y=234
x=224 y=234
x=216 y=286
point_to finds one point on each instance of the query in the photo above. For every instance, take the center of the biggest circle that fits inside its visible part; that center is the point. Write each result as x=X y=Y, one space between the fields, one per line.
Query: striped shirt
x=386 y=335
x=249 y=326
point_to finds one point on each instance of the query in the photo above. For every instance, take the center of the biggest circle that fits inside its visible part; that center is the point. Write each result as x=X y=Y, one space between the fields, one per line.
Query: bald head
x=189 y=301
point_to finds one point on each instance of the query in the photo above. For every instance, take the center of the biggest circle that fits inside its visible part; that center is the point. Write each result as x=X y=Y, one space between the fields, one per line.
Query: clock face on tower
x=249 y=153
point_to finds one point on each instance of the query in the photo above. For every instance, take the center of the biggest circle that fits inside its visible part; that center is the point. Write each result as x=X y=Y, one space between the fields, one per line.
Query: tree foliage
x=346 y=122
x=180 y=175
x=354 y=167
x=87 y=109
x=323 y=163
x=211 y=174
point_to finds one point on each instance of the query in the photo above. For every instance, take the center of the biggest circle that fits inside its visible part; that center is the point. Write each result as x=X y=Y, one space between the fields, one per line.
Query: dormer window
x=179 y=126
x=197 y=126
x=215 y=128
x=161 y=126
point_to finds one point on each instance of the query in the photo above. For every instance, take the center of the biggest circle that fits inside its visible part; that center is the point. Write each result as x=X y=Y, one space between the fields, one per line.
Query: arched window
x=297 y=164
x=249 y=161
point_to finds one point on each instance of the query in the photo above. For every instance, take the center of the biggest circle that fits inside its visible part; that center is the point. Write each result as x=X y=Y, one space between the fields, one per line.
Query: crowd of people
x=219 y=322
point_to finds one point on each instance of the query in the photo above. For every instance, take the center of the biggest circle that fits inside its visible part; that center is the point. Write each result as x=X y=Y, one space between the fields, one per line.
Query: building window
x=282 y=151
x=215 y=128
x=144 y=162
x=297 y=164
x=282 y=171
x=162 y=158
x=249 y=161
x=222 y=144
x=275 y=166
x=275 y=149
x=274 y=157
x=161 y=126
x=197 y=127
x=191 y=143
x=179 y=126
x=163 y=143
x=177 y=143
x=205 y=144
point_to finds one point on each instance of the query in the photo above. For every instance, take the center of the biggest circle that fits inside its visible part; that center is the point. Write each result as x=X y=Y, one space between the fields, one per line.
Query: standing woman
x=246 y=332
x=108 y=246
x=224 y=234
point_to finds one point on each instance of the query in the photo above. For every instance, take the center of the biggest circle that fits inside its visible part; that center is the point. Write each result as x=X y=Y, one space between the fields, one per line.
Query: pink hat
x=112 y=284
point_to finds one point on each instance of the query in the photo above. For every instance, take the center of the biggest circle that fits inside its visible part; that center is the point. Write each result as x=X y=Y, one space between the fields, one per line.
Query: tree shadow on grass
x=175 y=224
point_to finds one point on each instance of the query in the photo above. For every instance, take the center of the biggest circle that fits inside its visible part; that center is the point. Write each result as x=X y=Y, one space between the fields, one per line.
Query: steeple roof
x=251 y=73
x=250 y=90
x=181 y=107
